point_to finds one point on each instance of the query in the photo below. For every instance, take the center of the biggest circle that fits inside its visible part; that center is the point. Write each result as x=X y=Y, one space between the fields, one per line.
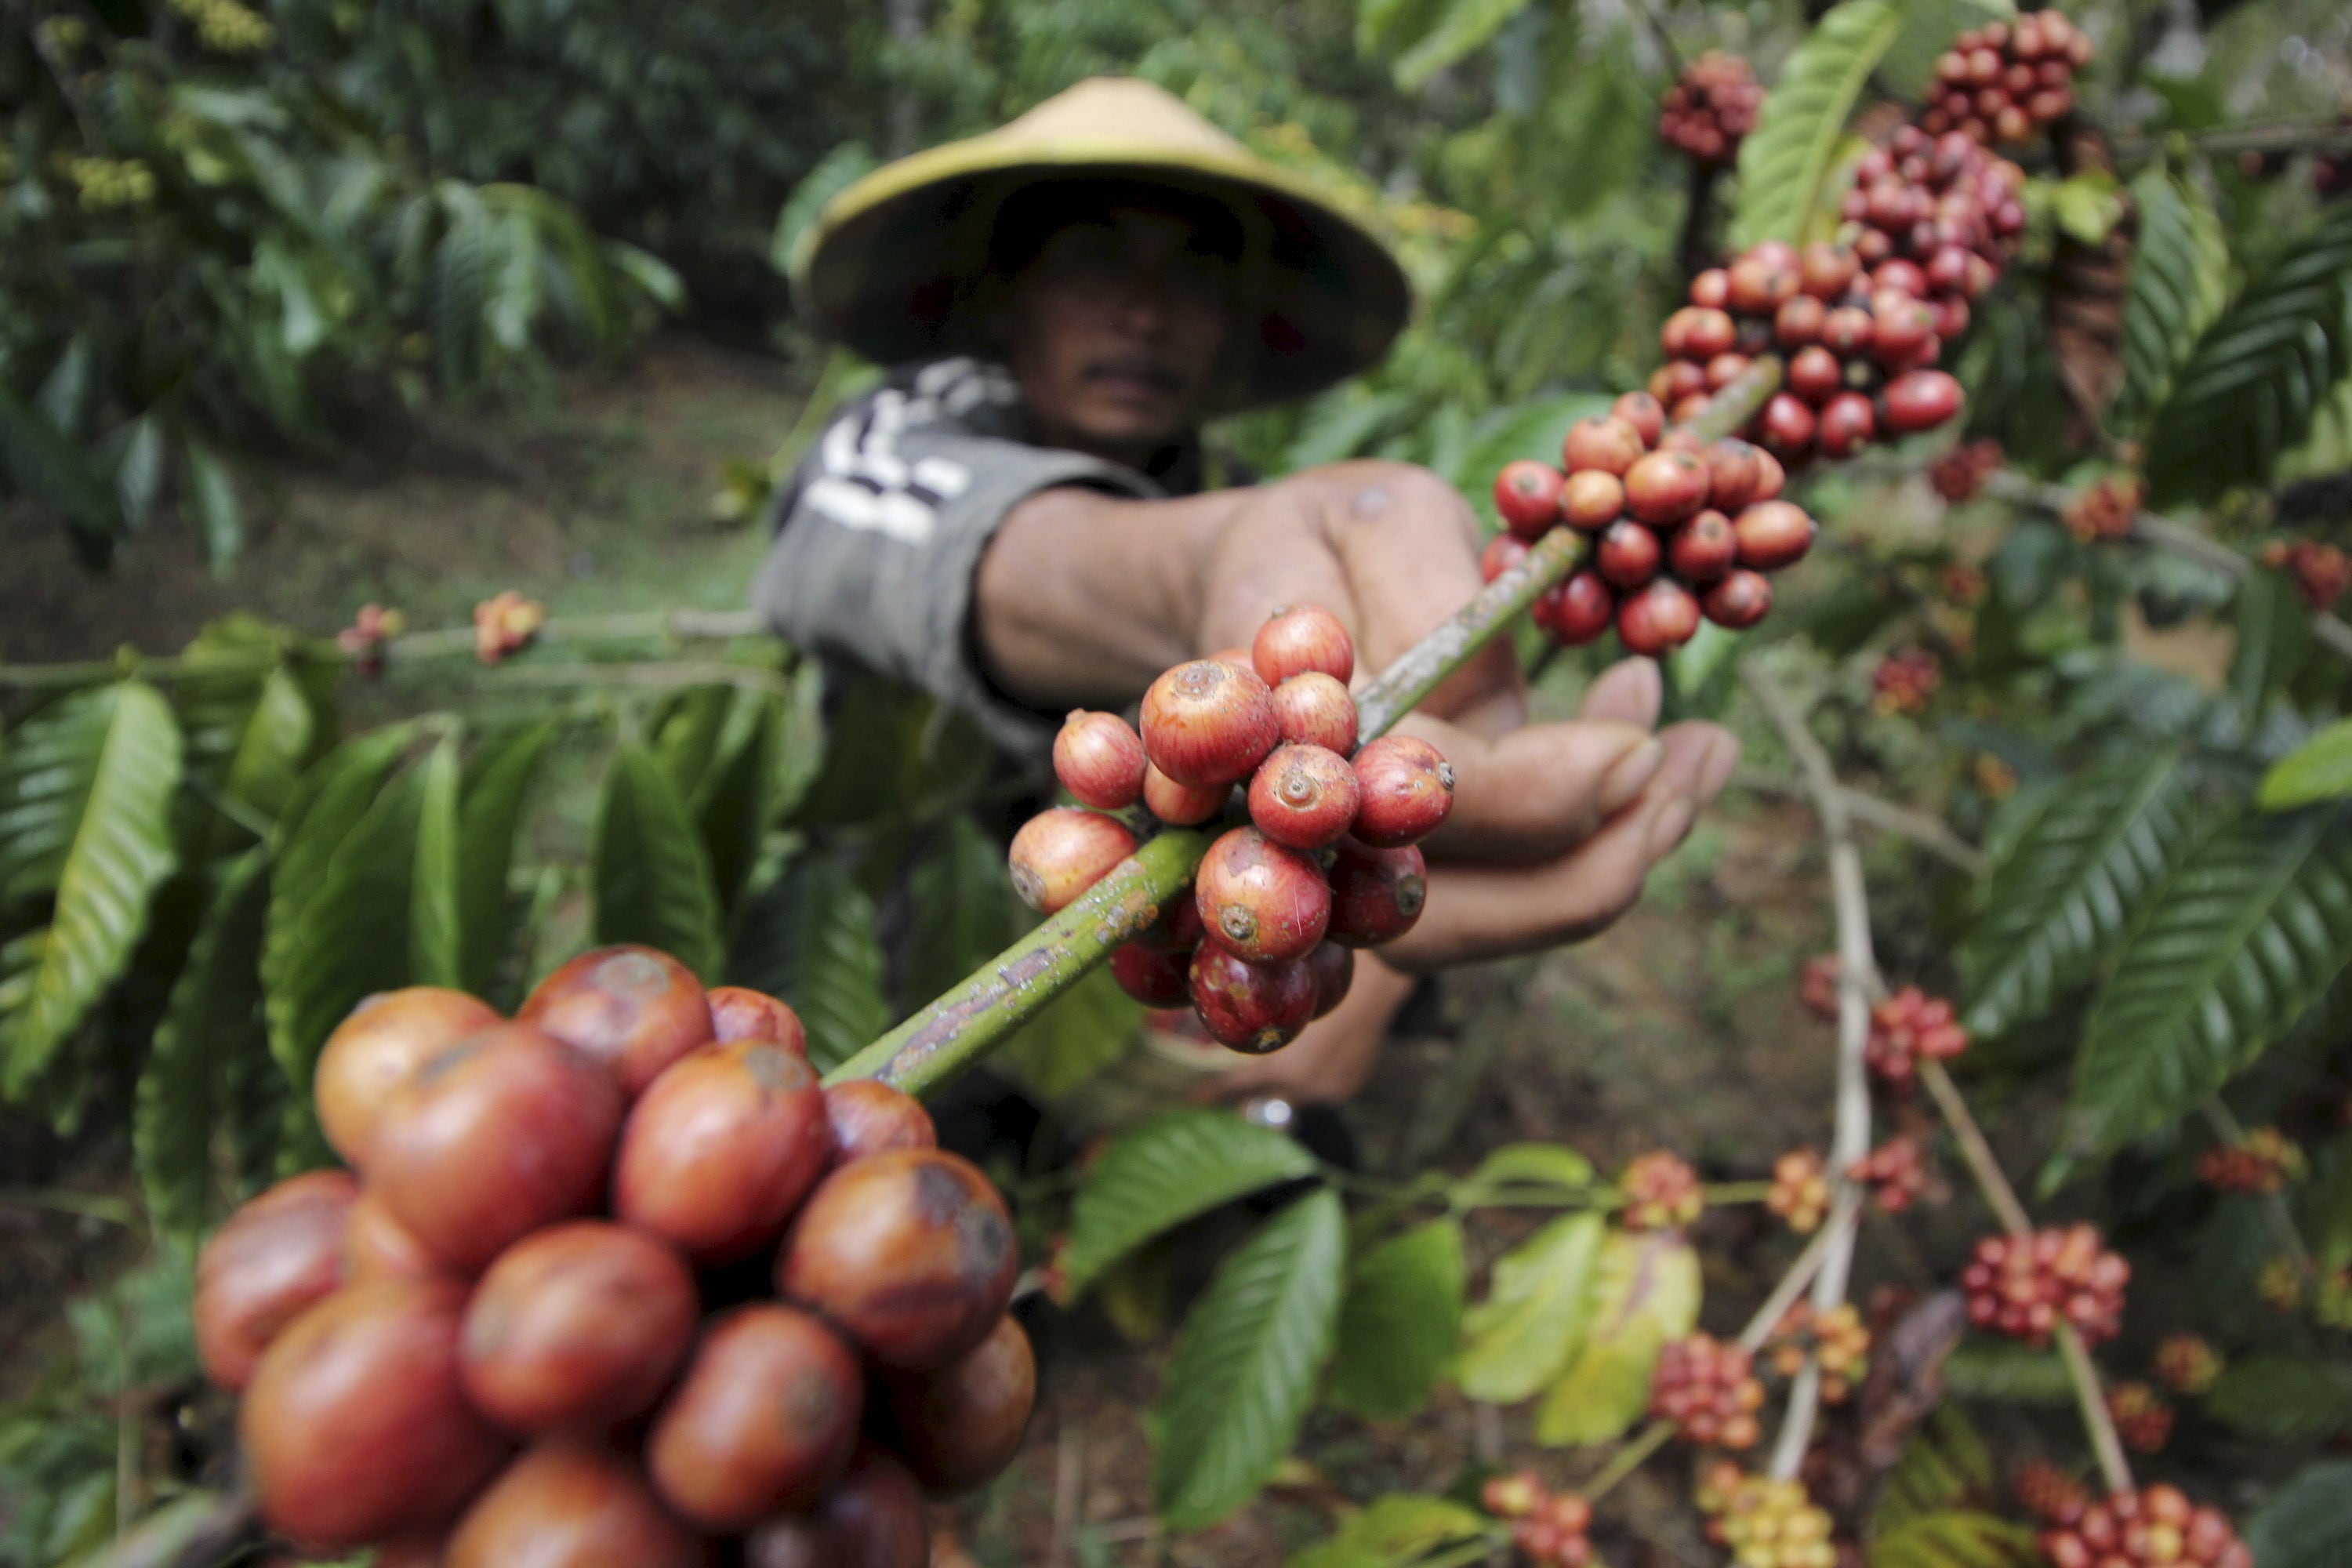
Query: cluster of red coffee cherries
x=2026 y=1286
x=2150 y=1528
x=1680 y=528
x=2321 y=571
x=1709 y=1390
x=1906 y=1027
x=1837 y=1340
x=1936 y=217
x=1905 y=680
x=2142 y=1417
x=362 y=641
x=2049 y=1493
x=2265 y=1161
x=1710 y=108
x=1801 y=1190
x=1895 y=1172
x=616 y=1275
x=1327 y=863
x=2102 y=512
x=505 y=624
x=1858 y=346
x=1766 y=1523
x=2186 y=1364
x=1661 y=1191
x=2005 y=81
x=1959 y=475
x=1548 y=1528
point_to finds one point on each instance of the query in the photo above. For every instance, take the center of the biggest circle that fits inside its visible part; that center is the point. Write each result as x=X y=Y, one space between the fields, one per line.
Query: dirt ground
x=1680 y=1027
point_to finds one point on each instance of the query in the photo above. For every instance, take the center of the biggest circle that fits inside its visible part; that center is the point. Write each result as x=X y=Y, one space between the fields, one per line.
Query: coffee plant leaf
x=41 y=461
x=735 y=801
x=1244 y=1370
x=2319 y=769
x=2246 y=935
x=248 y=738
x=809 y=937
x=686 y=735
x=2275 y=642
x=1399 y=1324
x=1945 y=1466
x=1786 y=162
x=212 y=1027
x=1460 y=27
x=2327 y=451
x=2282 y=1398
x=1954 y=1537
x=2179 y=277
x=800 y=740
x=650 y=873
x=1174 y=1167
x=2324 y=1205
x=1646 y=1292
x=964 y=909
x=2007 y=1372
x=87 y=787
x=1395 y=1531
x=2307 y=1522
x=1073 y=1036
x=496 y=783
x=1538 y=1302
x=2251 y=387
x=2060 y=900
x=219 y=516
x=435 y=938
x=1549 y=1164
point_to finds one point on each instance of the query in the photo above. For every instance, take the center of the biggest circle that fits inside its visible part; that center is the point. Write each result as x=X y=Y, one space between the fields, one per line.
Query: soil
x=1679 y=1028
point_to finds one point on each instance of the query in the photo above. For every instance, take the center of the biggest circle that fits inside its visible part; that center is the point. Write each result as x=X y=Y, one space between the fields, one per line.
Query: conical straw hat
x=894 y=264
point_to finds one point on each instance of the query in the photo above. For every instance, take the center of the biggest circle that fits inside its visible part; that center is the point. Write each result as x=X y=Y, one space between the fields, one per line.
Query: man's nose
x=1143 y=306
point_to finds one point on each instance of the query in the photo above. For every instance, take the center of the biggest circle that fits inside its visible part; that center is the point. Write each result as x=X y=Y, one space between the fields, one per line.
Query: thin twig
x=2272 y=136
x=2107 y=1444
x=1929 y=833
x=1069 y=1484
x=2228 y=1129
x=1858 y=982
x=660 y=675
x=1998 y=1195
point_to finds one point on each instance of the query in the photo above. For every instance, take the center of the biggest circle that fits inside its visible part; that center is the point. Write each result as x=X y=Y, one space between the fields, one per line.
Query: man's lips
x=1136 y=376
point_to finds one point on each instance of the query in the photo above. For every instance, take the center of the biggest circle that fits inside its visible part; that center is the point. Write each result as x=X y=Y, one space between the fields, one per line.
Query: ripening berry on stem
x=1643 y=412
x=1251 y=1007
x=1314 y=710
x=1182 y=805
x=1061 y=852
x=721 y=1148
x=1263 y=900
x=1297 y=639
x=869 y=1117
x=1526 y=494
x=1627 y=555
x=1733 y=470
x=1591 y=500
x=632 y=1008
x=1407 y=790
x=1503 y=552
x=1209 y=723
x=1098 y=758
x=1607 y=445
x=1154 y=978
x=1304 y=796
x=1703 y=549
x=1772 y=534
x=276 y=1258
x=1920 y=400
x=382 y=1042
x=740 y=1012
x=1658 y=619
x=1334 y=968
x=1667 y=487
x=1376 y=894
x=1740 y=601
x=763 y=1420
x=1575 y=611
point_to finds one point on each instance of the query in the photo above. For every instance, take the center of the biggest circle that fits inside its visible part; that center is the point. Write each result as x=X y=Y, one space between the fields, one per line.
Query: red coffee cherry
x=382 y=1041
x=1266 y=902
x=1909 y=1025
x=1709 y=333
x=275 y=1258
x=1703 y=549
x=911 y=1253
x=1503 y=552
x=1711 y=289
x=1182 y=805
x=740 y=1012
x=1847 y=424
x=1304 y=796
x=1297 y=639
x=1725 y=369
x=1920 y=400
x=1643 y=412
x=1798 y=322
x=1627 y=555
x=962 y=1424
x=1209 y=723
x=869 y=1117
x=1251 y=1007
x=1592 y=500
x=721 y=1149
x=1408 y=789
x=1786 y=426
x=1846 y=332
x=631 y=1009
x=1826 y=271
x=1740 y=601
x=1064 y=850
x=1814 y=374
x=378 y=1246
x=1099 y=759
x=1734 y=468
x=764 y=1420
x=1376 y=894
x=874 y=1518
x=1315 y=710
x=1607 y=445
x=1709 y=1390
x=572 y=1505
x=1773 y=535
x=1902 y=326
x=1761 y=283
x=1658 y=619
x=1526 y=494
x=1334 y=968
x=576 y=1329
x=505 y=1132
x=354 y=1429
x=1154 y=978
x=1770 y=476
x=1577 y=610
x=1665 y=487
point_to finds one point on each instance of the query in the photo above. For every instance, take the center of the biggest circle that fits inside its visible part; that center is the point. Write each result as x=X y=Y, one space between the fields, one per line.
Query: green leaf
x=212 y=1027
x=1646 y=1292
x=435 y=938
x=1943 y=1466
x=2006 y=1371
x=2059 y=903
x=2273 y=642
x=1524 y=1333
x=498 y=781
x=44 y=463
x=2259 y=373
x=268 y=750
x=2247 y=934
x=2282 y=1398
x=1242 y=1373
x=1399 y=1324
x=2179 y=276
x=650 y=872
x=810 y=940
x=1167 y=1171
x=212 y=496
x=1464 y=25
x=964 y=911
x=1544 y=1165
x=1786 y=162
x=86 y=791
x=735 y=800
x=2087 y=205
x=2307 y=1522
x=1395 y=1531
x=1073 y=1036
x=1956 y=1538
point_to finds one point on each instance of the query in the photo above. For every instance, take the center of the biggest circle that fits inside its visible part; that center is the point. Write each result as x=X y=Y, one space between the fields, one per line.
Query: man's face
x=1117 y=329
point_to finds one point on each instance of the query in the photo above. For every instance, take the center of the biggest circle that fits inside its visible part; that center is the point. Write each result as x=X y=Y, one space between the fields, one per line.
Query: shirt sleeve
x=879 y=537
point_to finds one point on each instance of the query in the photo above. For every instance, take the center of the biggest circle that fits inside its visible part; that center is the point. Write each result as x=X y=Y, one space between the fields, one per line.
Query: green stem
x=1628 y=1459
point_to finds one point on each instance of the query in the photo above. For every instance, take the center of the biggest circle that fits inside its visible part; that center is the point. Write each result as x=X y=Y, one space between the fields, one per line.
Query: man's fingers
x=1630 y=691
x=1533 y=792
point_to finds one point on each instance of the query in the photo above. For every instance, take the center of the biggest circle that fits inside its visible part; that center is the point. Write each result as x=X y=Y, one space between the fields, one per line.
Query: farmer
x=1024 y=518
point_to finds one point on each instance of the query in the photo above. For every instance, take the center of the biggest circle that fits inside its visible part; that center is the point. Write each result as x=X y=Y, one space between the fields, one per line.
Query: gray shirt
x=880 y=530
